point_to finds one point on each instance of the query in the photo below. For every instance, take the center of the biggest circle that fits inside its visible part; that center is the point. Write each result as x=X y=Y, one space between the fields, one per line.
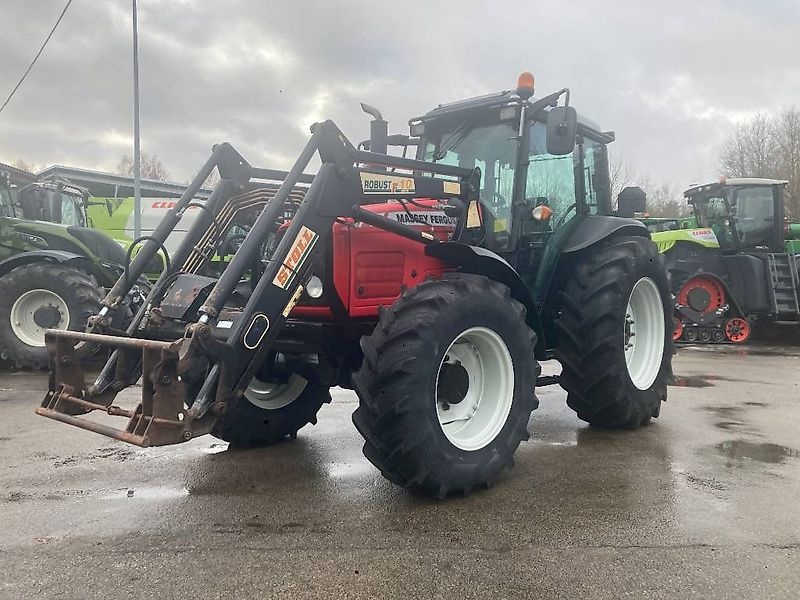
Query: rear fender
x=54 y=256
x=596 y=228
x=480 y=261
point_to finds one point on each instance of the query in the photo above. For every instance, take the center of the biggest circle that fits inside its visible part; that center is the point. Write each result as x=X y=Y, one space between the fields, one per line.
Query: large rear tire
x=446 y=387
x=615 y=334
x=272 y=411
x=38 y=297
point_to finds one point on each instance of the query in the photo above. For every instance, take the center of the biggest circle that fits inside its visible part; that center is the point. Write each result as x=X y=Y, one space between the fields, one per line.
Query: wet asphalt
x=704 y=503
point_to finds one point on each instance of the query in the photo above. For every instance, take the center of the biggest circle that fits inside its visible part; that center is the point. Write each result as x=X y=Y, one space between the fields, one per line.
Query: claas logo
x=301 y=247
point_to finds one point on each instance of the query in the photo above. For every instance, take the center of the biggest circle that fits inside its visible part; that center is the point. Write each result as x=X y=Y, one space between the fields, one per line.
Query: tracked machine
x=736 y=265
x=432 y=286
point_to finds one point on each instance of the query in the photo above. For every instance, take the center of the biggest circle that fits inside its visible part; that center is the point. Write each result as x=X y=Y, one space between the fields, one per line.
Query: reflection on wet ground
x=707 y=494
x=742 y=450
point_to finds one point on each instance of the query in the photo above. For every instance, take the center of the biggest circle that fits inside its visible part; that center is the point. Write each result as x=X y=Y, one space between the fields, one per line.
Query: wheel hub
x=699 y=299
x=46 y=317
x=453 y=383
x=272 y=395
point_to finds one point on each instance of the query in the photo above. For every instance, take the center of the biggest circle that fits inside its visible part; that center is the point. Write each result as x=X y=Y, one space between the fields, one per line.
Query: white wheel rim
x=23 y=323
x=474 y=421
x=643 y=333
x=272 y=396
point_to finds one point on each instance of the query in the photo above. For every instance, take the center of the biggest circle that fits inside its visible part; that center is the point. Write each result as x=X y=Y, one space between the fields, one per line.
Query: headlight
x=314 y=287
x=36 y=240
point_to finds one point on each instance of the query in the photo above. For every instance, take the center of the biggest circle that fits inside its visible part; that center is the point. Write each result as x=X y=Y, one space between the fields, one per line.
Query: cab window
x=755 y=215
x=595 y=176
x=492 y=148
x=6 y=206
x=712 y=212
x=550 y=179
x=70 y=213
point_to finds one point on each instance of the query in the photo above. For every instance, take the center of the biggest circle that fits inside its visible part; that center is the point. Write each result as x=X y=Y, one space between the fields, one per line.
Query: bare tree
x=753 y=150
x=767 y=146
x=29 y=167
x=789 y=167
x=151 y=167
x=211 y=181
x=663 y=199
x=621 y=172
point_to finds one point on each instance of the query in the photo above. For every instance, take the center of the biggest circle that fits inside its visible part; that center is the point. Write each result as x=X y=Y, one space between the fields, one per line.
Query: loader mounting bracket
x=160 y=418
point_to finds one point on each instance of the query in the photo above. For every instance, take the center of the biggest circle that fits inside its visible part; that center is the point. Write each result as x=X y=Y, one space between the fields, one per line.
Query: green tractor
x=53 y=268
x=737 y=266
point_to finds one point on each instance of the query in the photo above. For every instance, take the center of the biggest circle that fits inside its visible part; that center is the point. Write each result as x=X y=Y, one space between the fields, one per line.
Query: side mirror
x=562 y=125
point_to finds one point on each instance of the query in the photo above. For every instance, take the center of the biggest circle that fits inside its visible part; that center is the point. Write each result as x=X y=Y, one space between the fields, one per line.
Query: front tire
x=271 y=412
x=615 y=334
x=38 y=297
x=446 y=387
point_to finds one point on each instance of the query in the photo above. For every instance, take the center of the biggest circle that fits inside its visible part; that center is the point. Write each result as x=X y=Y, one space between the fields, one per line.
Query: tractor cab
x=54 y=202
x=744 y=214
x=543 y=170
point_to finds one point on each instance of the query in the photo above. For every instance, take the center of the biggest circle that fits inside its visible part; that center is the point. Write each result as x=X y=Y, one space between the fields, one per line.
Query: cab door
x=757 y=220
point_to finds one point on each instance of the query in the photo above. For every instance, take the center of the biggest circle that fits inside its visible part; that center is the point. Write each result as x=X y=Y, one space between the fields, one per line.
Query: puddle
x=692 y=382
x=766 y=453
x=703 y=381
x=730 y=425
x=156 y=493
x=215 y=448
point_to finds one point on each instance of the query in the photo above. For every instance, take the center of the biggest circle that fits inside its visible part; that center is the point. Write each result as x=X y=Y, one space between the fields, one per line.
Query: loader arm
x=188 y=381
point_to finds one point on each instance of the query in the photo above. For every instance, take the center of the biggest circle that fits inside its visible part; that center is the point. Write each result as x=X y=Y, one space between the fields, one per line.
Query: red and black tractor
x=431 y=286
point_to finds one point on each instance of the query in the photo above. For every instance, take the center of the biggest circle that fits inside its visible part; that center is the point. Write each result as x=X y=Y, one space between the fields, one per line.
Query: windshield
x=71 y=211
x=712 y=211
x=6 y=206
x=493 y=149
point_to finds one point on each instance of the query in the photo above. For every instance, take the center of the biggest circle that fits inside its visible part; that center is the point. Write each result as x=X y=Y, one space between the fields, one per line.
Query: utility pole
x=137 y=183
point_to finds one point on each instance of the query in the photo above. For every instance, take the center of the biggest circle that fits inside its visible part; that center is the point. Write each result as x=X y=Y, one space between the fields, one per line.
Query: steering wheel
x=563 y=218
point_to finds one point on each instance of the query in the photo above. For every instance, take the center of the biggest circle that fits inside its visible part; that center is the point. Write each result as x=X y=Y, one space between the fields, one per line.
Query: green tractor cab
x=737 y=266
x=53 y=268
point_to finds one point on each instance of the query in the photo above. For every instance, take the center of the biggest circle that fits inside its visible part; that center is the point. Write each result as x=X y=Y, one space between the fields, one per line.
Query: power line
x=35 y=58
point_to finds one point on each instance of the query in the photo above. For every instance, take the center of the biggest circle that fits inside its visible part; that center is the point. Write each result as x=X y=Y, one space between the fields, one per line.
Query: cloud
x=671 y=78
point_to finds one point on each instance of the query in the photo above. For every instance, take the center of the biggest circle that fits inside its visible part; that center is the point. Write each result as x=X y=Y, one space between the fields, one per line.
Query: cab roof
x=488 y=101
x=733 y=181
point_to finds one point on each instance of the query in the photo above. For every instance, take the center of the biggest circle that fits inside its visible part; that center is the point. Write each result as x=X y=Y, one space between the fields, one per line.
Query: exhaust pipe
x=378 y=129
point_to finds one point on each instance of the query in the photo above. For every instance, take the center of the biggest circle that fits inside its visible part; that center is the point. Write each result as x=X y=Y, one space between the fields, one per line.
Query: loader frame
x=177 y=404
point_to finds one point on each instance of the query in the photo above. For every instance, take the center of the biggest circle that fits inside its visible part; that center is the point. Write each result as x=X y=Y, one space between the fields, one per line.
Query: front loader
x=432 y=286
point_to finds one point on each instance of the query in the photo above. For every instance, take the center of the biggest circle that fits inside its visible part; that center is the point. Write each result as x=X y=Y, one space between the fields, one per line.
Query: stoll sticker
x=299 y=251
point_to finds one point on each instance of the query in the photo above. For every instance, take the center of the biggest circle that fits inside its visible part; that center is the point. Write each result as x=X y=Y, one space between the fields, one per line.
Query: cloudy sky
x=671 y=78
